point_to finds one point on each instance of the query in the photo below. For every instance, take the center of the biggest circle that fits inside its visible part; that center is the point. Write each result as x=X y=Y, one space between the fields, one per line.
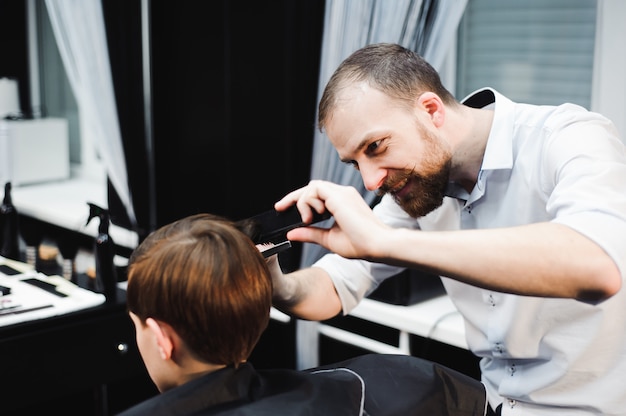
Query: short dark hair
x=205 y=278
x=398 y=72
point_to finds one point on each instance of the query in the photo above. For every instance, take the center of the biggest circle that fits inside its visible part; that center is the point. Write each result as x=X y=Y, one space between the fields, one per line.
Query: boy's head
x=206 y=280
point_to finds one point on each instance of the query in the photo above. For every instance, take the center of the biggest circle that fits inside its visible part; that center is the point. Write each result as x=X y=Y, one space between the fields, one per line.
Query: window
x=534 y=51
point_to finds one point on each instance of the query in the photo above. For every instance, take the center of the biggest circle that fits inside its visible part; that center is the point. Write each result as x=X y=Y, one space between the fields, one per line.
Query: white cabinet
x=34 y=151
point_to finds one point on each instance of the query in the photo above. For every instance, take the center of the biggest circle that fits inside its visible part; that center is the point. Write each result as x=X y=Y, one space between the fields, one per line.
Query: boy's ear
x=163 y=336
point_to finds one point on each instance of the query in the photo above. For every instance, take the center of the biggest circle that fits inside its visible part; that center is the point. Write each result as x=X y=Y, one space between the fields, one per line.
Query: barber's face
x=396 y=149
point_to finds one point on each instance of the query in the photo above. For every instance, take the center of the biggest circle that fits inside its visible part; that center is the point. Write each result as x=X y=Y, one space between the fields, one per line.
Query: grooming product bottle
x=32 y=232
x=104 y=251
x=10 y=244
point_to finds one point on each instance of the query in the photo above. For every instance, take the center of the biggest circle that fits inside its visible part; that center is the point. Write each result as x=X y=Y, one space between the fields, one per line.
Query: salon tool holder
x=32 y=234
x=9 y=225
x=104 y=251
x=68 y=246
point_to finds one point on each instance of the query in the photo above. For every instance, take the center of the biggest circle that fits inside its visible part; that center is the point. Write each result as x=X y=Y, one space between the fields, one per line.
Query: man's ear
x=163 y=335
x=434 y=106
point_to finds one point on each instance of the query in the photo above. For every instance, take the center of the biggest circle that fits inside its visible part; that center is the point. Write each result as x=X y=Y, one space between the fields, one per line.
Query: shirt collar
x=456 y=191
x=499 y=150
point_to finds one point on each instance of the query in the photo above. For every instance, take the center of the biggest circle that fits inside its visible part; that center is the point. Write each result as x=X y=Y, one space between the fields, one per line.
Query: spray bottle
x=10 y=240
x=104 y=250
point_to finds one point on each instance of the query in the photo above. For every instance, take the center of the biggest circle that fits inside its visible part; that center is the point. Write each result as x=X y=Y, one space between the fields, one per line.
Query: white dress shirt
x=540 y=356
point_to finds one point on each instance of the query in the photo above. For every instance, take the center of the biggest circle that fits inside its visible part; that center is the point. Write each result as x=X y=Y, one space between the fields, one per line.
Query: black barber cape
x=369 y=385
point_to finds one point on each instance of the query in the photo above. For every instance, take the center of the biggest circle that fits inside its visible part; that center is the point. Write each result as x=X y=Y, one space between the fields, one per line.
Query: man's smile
x=400 y=189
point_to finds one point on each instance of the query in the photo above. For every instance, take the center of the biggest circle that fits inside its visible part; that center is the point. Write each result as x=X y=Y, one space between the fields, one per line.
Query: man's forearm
x=544 y=259
x=307 y=294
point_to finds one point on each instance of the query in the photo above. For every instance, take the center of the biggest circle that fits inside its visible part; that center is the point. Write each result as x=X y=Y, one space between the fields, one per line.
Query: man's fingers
x=289 y=199
x=307 y=234
x=307 y=200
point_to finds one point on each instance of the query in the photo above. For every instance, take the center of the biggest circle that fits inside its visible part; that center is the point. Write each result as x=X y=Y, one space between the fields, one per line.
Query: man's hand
x=354 y=232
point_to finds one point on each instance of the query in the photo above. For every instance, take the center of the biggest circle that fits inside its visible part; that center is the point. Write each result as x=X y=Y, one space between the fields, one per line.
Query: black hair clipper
x=272 y=226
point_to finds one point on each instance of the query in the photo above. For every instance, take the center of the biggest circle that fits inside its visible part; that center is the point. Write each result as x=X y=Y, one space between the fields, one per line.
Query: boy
x=200 y=292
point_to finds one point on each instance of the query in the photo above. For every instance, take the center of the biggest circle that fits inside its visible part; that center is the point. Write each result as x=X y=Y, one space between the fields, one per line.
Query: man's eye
x=352 y=163
x=374 y=146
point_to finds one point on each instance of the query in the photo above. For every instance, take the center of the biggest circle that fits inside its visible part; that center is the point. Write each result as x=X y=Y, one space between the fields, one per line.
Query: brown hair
x=398 y=72
x=207 y=279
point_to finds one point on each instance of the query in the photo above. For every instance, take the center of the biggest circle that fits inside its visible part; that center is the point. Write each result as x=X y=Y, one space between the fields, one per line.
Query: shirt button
x=512 y=370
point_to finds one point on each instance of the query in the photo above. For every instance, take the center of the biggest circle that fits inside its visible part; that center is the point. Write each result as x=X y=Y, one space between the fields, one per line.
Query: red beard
x=423 y=193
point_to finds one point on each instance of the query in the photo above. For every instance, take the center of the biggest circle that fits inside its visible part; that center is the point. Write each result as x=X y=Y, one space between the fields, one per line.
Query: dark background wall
x=234 y=102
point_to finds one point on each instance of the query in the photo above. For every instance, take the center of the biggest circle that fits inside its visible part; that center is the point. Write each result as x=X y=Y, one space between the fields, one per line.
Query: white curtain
x=80 y=34
x=426 y=26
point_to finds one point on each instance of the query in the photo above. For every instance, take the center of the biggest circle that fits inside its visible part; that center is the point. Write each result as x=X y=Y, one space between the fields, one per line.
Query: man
x=199 y=294
x=521 y=209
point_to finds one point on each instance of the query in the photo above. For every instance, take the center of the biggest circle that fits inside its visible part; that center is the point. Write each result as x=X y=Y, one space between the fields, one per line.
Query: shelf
x=64 y=203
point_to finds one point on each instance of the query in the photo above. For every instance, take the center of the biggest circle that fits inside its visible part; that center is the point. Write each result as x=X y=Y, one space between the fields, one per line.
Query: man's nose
x=373 y=177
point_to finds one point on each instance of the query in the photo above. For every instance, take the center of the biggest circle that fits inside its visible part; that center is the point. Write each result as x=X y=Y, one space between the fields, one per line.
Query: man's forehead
x=354 y=90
